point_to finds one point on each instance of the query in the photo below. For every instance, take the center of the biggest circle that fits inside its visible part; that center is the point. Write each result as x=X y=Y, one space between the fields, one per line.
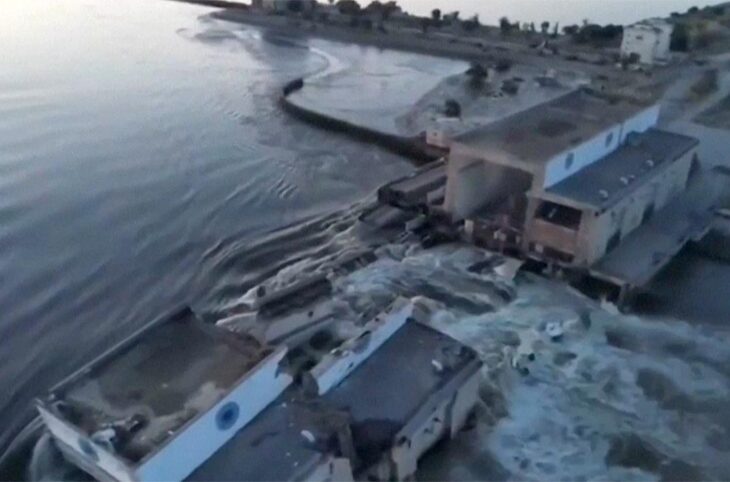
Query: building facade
x=648 y=41
x=566 y=181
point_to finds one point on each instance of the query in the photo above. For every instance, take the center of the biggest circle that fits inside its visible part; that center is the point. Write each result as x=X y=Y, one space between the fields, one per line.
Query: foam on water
x=614 y=398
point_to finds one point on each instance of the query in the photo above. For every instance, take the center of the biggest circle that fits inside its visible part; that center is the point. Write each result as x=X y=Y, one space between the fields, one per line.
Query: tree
x=452 y=108
x=294 y=6
x=693 y=10
x=425 y=23
x=556 y=29
x=436 y=14
x=571 y=29
x=503 y=65
x=544 y=27
x=471 y=24
x=477 y=75
x=348 y=7
x=505 y=26
x=532 y=27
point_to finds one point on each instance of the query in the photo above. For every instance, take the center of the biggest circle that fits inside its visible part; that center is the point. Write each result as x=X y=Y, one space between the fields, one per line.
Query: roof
x=535 y=135
x=168 y=373
x=613 y=177
x=376 y=401
x=271 y=447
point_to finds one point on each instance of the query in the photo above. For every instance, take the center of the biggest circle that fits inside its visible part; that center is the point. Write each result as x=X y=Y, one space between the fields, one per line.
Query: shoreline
x=435 y=44
x=414 y=148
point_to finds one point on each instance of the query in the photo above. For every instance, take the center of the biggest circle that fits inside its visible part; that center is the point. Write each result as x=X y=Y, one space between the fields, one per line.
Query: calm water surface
x=141 y=152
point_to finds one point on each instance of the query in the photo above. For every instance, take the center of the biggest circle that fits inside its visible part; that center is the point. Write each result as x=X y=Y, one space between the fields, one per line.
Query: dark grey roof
x=271 y=447
x=394 y=382
x=621 y=172
x=537 y=134
x=377 y=400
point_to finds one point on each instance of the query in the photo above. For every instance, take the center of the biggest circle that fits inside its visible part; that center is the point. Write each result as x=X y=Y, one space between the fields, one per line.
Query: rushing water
x=141 y=153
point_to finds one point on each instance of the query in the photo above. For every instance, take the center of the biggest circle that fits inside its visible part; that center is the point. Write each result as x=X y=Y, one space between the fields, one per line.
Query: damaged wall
x=473 y=184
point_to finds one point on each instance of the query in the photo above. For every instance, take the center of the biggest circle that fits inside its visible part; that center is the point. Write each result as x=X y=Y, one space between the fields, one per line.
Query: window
x=558 y=214
x=227 y=416
x=569 y=161
x=609 y=139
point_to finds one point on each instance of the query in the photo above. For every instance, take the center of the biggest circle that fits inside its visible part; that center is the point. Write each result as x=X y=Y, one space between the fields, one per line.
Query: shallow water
x=141 y=154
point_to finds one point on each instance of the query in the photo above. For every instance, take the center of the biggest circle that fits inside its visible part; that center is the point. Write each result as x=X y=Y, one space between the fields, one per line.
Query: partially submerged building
x=573 y=181
x=181 y=399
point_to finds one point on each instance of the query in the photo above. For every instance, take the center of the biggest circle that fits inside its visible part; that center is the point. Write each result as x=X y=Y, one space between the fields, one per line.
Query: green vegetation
x=503 y=65
x=707 y=83
x=348 y=7
x=594 y=34
x=477 y=76
x=452 y=108
x=679 y=42
x=472 y=24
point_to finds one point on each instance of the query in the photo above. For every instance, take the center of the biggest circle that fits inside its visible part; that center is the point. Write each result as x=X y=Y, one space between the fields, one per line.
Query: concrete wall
x=627 y=215
x=473 y=184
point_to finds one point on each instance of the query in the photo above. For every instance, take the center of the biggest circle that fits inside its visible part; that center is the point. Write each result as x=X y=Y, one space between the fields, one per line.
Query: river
x=141 y=152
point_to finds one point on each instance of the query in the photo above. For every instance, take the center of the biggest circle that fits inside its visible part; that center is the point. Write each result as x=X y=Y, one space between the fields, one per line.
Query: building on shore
x=182 y=399
x=647 y=41
x=583 y=181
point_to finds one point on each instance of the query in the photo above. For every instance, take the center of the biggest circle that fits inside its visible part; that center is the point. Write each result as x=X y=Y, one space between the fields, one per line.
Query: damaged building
x=182 y=399
x=583 y=181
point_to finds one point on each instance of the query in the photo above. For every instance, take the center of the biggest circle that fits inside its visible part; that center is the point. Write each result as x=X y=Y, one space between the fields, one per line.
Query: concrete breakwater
x=414 y=147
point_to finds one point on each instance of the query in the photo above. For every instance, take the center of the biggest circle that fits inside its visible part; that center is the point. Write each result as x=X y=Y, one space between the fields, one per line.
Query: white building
x=649 y=40
x=573 y=180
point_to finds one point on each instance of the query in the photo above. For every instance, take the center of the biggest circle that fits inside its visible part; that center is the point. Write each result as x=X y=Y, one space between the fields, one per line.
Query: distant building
x=582 y=181
x=648 y=40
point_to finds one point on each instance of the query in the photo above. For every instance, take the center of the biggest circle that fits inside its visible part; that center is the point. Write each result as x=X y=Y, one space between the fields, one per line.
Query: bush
x=477 y=70
x=510 y=87
x=595 y=34
x=503 y=65
x=706 y=84
x=294 y=6
x=452 y=108
x=679 y=41
x=471 y=24
x=348 y=7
